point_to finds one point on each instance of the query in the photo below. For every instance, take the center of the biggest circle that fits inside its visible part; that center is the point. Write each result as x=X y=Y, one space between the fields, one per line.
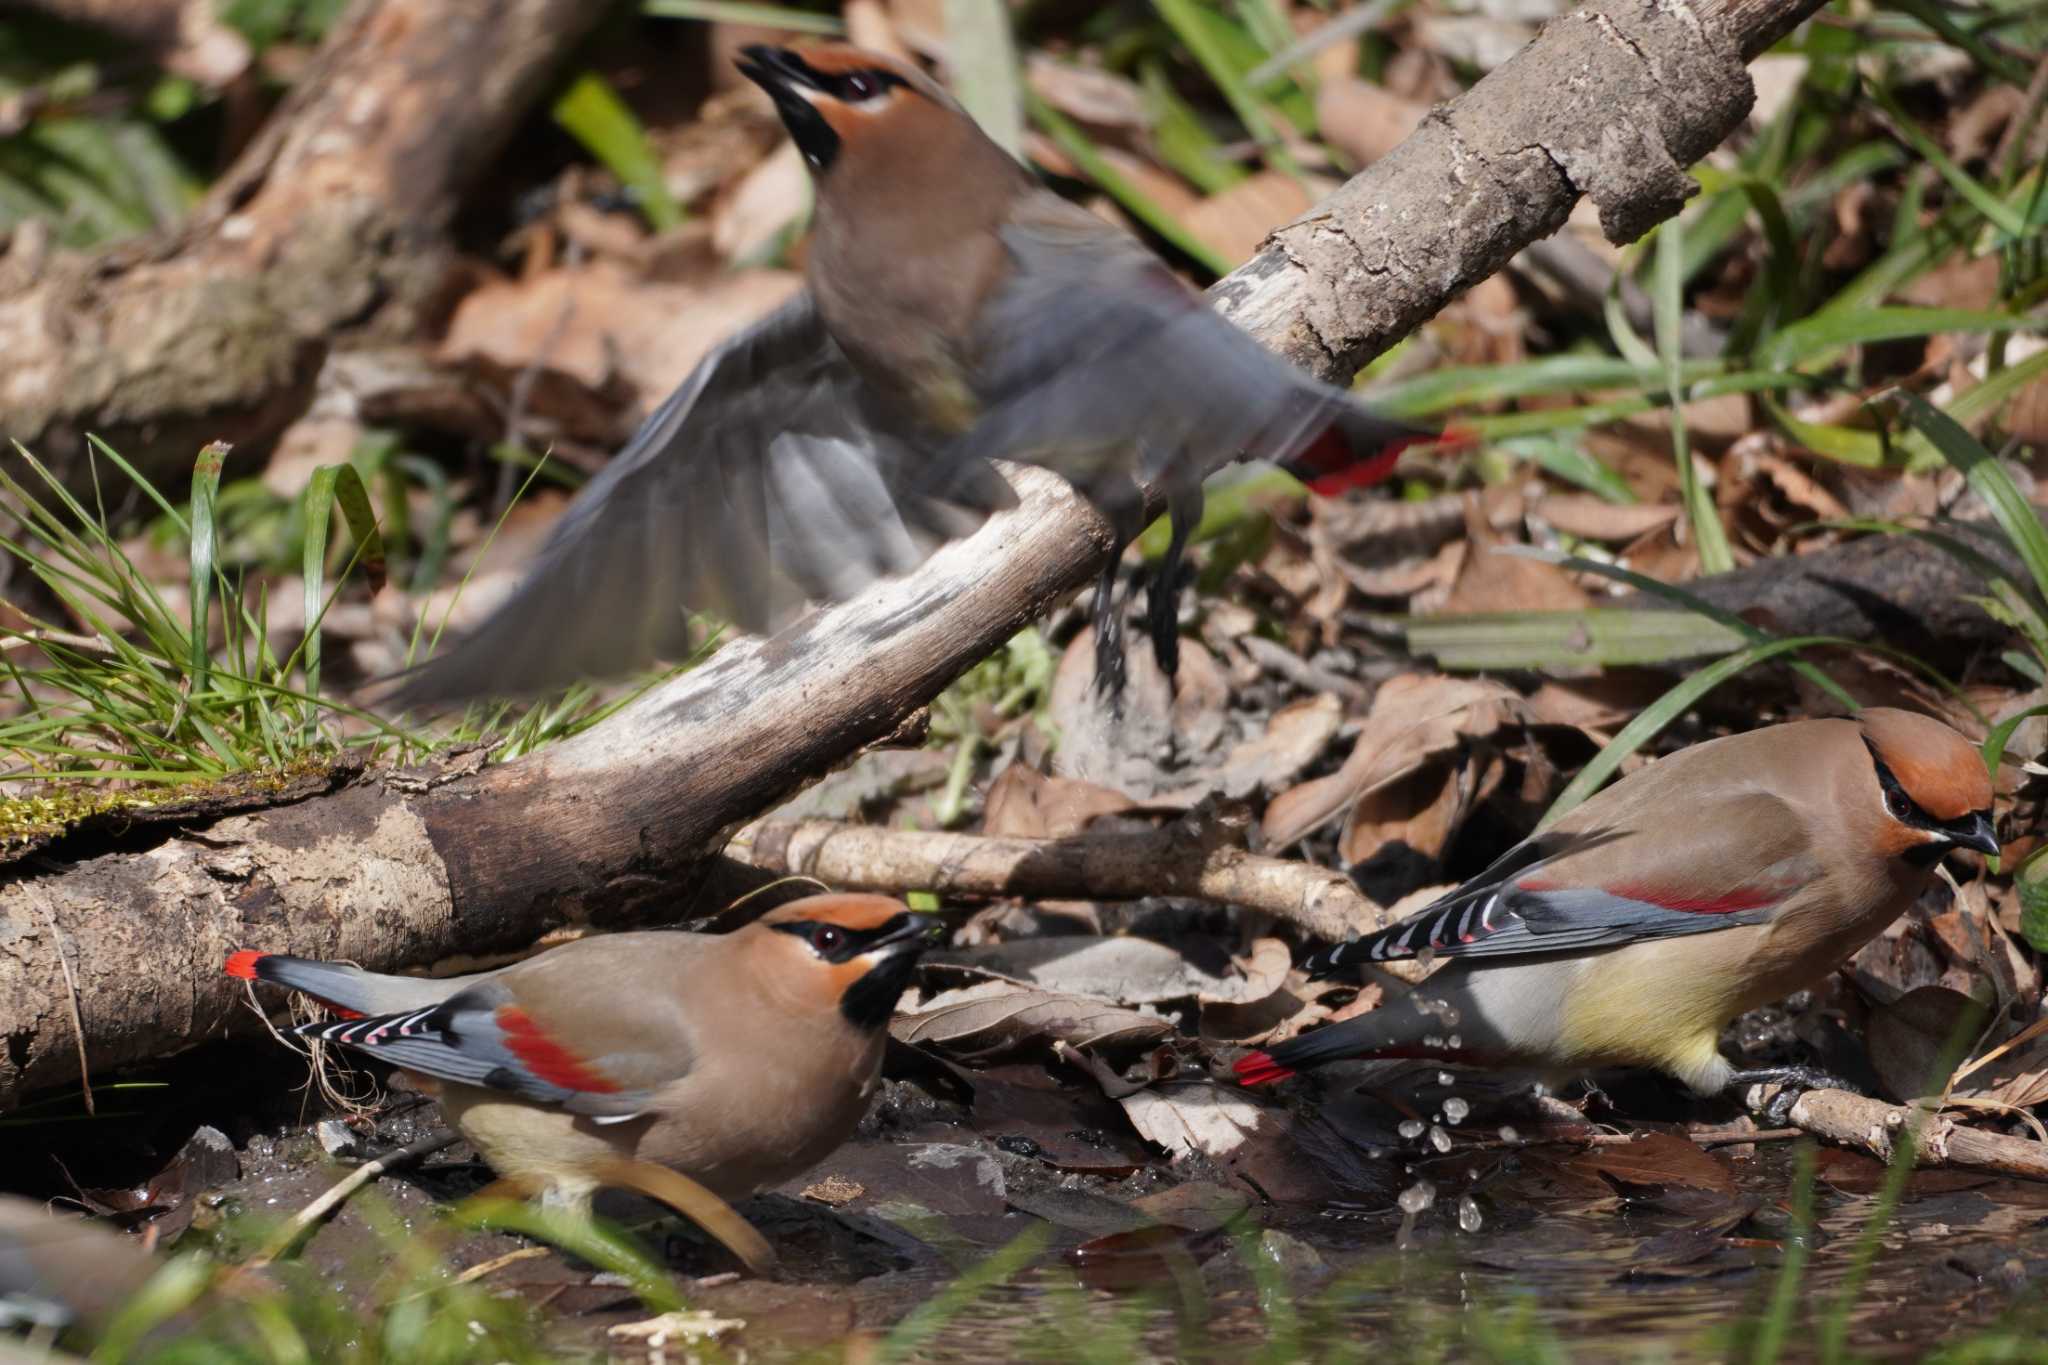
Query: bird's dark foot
x=1109 y=644
x=1792 y=1082
x=1162 y=623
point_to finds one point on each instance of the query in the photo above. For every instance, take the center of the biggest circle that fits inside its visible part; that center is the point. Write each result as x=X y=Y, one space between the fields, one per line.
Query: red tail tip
x=1259 y=1068
x=243 y=964
x=1455 y=438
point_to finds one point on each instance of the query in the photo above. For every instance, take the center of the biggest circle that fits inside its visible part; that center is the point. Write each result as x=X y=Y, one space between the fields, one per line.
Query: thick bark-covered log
x=214 y=330
x=607 y=826
x=1903 y=591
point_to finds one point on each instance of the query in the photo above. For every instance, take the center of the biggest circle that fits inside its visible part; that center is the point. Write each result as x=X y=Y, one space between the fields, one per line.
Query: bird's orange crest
x=1938 y=768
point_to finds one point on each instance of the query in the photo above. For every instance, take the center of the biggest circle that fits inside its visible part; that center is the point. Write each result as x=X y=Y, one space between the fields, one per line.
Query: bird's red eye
x=1896 y=803
x=827 y=938
x=860 y=85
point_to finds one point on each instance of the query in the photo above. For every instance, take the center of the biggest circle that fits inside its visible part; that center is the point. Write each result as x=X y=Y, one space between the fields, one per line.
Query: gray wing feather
x=1091 y=350
x=760 y=484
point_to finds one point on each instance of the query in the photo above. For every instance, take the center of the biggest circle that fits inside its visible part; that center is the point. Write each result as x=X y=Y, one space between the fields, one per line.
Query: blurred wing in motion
x=759 y=485
x=1096 y=350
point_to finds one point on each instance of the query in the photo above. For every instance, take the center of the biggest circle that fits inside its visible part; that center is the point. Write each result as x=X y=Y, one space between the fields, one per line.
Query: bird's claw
x=1792 y=1082
x=1162 y=623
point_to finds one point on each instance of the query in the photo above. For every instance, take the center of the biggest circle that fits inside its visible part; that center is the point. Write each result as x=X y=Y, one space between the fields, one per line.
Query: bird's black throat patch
x=870 y=1001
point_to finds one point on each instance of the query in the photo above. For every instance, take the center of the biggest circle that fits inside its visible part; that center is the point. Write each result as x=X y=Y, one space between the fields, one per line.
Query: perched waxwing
x=1639 y=925
x=957 y=312
x=693 y=1068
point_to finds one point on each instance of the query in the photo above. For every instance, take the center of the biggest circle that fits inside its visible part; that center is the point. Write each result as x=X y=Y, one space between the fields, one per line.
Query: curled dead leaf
x=1414 y=717
x=996 y=1017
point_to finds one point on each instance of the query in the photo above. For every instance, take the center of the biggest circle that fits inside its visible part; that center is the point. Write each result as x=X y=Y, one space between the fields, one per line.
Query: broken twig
x=1168 y=862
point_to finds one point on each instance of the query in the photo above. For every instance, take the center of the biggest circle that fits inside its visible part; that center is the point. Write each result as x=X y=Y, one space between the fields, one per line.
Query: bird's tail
x=1395 y=1030
x=348 y=991
x=1360 y=448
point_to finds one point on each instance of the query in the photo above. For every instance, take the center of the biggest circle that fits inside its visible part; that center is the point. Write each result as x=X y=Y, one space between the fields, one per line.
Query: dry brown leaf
x=1906 y=1039
x=2027 y=415
x=1123 y=970
x=1090 y=94
x=1591 y=518
x=1415 y=716
x=1365 y=121
x=1422 y=810
x=1023 y=803
x=996 y=1016
x=599 y=324
x=1294 y=738
x=1595 y=705
x=1493 y=581
x=1659 y=1159
x=1197 y=1117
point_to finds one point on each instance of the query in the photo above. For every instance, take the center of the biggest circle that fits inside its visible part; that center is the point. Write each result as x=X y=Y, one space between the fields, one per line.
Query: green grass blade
x=1814 y=339
x=205 y=555
x=1216 y=44
x=1987 y=478
x=592 y=112
x=740 y=12
x=1607 y=637
x=1700 y=511
x=1067 y=135
x=1994 y=209
x=1787 y=1293
x=1693 y=602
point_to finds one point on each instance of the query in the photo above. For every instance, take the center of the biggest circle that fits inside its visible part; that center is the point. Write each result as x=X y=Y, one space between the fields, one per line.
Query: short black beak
x=1974 y=831
x=912 y=932
x=775 y=69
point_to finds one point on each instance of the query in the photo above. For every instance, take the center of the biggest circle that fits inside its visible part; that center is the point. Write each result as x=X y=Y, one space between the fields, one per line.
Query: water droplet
x=1456 y=1109
x=1468 y=1214
x=1457 y=1042
x=1433 y=1042
x=1410 y=1129
x=1426 y=958
x=1417 y=1197
x=1446 y=1078
x=1508 y=1134
x=1439 y=1139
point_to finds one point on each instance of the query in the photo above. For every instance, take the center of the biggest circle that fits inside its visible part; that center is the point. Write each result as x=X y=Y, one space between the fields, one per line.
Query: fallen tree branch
x=605 y=827
x=1875 y=1127
x=1901 y=590
x=215 y=329
x=1168 y=862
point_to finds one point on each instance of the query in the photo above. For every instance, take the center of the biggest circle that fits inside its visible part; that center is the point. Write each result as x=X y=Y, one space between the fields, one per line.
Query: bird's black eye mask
x=1969 y=831
x=868 y=1002
x=780 y=71
x=836 y=943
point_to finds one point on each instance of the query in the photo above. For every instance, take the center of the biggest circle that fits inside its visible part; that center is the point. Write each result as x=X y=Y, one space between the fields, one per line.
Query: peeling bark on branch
x=606 y=827
x=1874 y=1127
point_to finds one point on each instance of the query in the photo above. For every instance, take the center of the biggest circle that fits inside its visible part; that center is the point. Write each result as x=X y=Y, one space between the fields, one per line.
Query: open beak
x=1973 y=831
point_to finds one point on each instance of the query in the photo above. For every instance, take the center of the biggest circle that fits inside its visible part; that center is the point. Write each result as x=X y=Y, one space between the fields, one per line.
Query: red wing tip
x=243 y=964
x=1454 y=438
x=1259 y=1068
